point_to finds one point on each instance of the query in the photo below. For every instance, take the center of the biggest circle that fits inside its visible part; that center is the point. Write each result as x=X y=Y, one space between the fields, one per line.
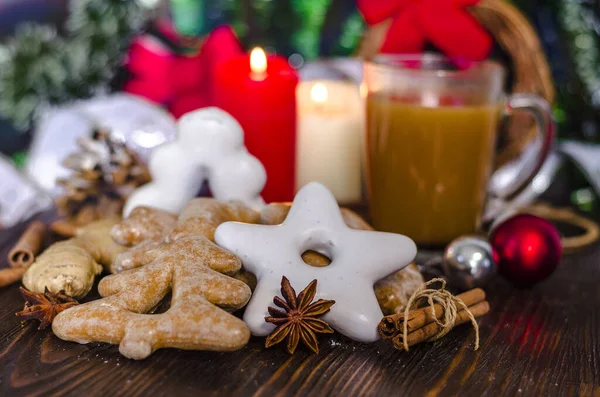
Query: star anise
x=44 y=307
x=298 y=319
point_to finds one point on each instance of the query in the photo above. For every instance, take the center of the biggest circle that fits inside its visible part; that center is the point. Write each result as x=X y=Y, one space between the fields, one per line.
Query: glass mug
x=431 y=139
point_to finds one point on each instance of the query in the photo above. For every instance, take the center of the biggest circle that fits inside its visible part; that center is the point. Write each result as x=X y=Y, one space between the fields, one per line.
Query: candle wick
x=258 y=76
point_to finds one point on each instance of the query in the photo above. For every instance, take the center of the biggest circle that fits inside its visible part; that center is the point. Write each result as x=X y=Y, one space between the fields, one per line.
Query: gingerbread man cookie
x=143 y=224
x=144 y=229
x=149 y=228
x=201 y=216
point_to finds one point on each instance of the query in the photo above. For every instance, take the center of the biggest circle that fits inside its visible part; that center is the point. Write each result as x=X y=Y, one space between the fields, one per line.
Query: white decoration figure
x=19 y=197
x=54 y=139
x=209 y=146
x=587 y=157
x=141 y=124
x=359 y=258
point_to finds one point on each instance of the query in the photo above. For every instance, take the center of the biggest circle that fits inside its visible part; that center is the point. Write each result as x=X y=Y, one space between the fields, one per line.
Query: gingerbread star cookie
x=358 y=259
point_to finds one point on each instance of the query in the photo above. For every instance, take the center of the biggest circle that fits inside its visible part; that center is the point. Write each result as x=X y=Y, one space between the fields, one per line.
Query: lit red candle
x=260 y=92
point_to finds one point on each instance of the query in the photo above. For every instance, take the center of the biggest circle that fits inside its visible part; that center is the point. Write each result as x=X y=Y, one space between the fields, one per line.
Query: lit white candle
x=330 y=125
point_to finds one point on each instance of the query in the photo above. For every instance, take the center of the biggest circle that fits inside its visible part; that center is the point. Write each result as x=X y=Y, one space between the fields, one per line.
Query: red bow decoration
x=182 y=83
x=444 y=23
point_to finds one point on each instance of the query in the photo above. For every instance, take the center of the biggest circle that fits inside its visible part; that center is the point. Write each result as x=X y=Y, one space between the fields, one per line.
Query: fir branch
x=577 y=22
x=38 y=68
x=31 y=73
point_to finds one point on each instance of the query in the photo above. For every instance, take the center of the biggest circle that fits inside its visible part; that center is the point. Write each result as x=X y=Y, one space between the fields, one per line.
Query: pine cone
x=105 y=172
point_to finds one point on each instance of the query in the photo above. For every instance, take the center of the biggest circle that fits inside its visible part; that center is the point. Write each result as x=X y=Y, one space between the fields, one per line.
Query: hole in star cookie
x=316 y=259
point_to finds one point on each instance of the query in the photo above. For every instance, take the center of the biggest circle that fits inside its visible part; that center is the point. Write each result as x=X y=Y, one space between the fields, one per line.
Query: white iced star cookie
x=359 y=259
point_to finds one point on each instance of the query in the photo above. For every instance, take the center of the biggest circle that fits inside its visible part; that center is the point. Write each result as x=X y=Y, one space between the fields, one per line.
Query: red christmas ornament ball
x=528 y=249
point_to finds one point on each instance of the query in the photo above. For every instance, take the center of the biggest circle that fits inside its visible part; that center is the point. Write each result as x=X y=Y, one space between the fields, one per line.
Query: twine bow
x=444 y=298
x=444 y=23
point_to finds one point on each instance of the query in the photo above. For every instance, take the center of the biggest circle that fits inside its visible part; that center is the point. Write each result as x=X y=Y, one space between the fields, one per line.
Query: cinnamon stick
x=86 y=215
x=430 y=330
x=387 y=327
x=11 y=275
x=64 y=228
x=391 y=325
x=29 y=245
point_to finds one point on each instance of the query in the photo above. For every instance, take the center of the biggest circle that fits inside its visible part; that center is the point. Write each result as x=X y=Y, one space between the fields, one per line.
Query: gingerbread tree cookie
x=195 y=270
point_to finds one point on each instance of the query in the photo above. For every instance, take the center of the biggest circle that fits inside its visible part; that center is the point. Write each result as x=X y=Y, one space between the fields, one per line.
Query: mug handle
x=540 y=110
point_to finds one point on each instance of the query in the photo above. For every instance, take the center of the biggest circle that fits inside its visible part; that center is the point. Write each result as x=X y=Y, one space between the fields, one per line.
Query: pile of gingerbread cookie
x=181 y=280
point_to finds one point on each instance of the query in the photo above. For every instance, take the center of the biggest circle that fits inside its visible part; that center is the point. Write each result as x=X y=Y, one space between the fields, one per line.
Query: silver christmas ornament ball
x=468 y=262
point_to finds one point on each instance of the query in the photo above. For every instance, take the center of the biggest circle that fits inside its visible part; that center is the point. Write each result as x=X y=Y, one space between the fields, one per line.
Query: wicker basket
x=530 y=69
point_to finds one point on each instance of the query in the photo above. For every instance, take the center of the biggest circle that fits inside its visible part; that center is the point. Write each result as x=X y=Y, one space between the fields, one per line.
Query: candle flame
x=430 y=99
x=363 y=90
x=258 y=61
x=318 y=93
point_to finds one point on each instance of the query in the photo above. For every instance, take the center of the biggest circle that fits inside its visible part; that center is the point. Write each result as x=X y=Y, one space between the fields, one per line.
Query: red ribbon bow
x=182 y=83
x=444 y=23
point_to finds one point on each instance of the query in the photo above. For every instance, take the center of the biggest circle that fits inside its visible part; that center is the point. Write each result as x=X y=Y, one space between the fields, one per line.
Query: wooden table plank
x=538 y=341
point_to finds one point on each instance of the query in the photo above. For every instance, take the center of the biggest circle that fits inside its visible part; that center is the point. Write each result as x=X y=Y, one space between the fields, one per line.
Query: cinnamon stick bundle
x=432 y=329
x=424 y=324
x=393 y=324
x=29 y=245
x=22 y=255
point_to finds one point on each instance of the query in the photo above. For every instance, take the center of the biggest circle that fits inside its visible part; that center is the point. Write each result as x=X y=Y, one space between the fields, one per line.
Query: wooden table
x=543 y=341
